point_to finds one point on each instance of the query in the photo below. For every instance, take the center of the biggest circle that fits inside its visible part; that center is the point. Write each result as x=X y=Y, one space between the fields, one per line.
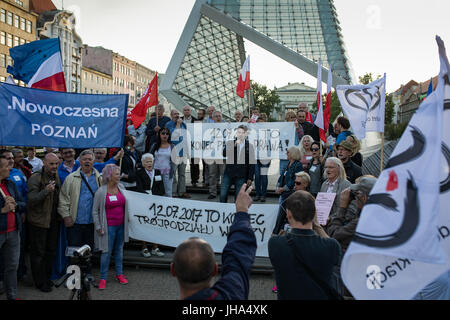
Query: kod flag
x=402 y=242
x=364 y=106
x=33 y=117
x=39 y=64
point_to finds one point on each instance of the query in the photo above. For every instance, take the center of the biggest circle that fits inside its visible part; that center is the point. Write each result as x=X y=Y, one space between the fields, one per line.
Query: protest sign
x=34 y=117
x=324 y=202
x=170 y=221
x=270 y=139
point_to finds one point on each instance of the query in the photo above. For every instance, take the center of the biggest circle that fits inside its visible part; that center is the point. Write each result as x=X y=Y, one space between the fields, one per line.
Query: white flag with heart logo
x=402 y=242
x=364 y=106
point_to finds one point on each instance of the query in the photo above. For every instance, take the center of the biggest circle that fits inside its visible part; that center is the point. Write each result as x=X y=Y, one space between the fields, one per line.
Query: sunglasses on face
x=315 y=149
x=298 y=183
x=164 y=133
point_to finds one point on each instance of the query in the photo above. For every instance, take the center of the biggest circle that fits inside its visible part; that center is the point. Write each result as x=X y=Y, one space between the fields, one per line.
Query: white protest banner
x=170 y=221
x=270 y=139
x=402 y=242
x=324 y=202
x=364 y=106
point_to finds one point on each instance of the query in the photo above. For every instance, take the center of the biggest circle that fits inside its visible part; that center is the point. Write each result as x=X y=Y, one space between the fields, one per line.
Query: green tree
x=264 y=98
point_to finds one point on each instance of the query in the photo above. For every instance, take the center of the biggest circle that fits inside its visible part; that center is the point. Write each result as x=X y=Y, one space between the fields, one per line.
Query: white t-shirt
x=36 y=163
x=162 y=160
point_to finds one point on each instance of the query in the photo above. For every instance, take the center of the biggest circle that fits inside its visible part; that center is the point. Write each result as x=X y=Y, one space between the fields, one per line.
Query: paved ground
x=144 y=284
x=150 y=279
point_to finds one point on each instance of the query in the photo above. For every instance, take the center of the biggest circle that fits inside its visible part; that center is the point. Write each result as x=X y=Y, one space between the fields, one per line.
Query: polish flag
x=327 y=111
x=244 y=79
x=320 y=116
x=148 y=99
x=39 y=64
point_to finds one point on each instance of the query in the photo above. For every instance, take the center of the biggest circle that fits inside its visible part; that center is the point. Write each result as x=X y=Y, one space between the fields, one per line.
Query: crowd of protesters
x=76 y=197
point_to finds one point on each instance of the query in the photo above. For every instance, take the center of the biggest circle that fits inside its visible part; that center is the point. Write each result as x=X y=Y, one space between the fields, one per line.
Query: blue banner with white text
x=34 y=117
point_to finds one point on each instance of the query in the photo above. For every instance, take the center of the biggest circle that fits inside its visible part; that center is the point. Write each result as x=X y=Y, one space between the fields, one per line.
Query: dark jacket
x=316 y=177
x=287 y=177
x=237 y=259
x=311 y=130
x=41 y=205
x=320 y=254
x=152 y=136
x=143 y=182
x=242 y=167
x=342 y=225
x=352 y=170
x=128 y=166
x=357 y=159
x=193 y=119
x=20 y=206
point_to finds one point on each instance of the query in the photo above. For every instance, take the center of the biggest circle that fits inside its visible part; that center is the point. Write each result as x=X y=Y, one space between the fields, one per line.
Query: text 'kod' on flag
x=39 y=65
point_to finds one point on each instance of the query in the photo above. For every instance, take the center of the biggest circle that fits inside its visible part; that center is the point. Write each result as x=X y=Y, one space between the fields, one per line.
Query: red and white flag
x=148 y=99
x=244 y=79
x=320 y=118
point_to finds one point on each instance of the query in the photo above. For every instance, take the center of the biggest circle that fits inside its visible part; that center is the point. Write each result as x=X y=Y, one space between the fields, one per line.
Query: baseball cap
x=365 y=185
x=346 y=145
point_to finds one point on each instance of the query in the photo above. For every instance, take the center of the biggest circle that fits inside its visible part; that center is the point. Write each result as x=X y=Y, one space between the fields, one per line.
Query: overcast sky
x=392 y=36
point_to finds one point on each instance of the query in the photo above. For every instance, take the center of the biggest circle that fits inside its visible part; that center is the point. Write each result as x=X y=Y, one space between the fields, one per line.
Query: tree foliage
x=264 y=98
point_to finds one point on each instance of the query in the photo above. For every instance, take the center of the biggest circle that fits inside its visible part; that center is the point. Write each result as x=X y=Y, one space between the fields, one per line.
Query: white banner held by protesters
x=271 y=139
x=364 y=106
x=170 y=221
x=402 y=242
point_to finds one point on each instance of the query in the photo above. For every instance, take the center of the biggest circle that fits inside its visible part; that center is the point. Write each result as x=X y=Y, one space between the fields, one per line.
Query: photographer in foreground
x=342 y=225
x=194 y=263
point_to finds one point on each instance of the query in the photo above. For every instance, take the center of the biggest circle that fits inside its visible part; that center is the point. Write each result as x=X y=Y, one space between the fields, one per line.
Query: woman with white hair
x=335 y=181
x=110 y=214
x=286 y=183
x=150 y=181
x=305 y=150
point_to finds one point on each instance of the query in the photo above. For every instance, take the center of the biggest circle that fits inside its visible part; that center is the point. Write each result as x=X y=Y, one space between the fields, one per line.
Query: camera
x=84 y=251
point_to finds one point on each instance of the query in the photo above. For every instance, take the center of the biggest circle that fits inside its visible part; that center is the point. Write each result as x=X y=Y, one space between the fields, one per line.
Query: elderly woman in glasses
x=315 y=169
x=286 y=183
x=149 y=180
x=335 y=181
x=110 y=214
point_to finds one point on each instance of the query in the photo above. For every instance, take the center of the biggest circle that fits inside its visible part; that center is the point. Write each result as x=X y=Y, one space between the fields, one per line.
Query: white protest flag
x=402 y=240
x=364 y=106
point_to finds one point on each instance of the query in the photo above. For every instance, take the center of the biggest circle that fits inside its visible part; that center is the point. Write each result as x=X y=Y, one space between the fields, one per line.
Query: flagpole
x=382 y=152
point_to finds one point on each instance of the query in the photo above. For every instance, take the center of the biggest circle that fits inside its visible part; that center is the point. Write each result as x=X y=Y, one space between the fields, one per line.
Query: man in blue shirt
x=178 y=131
x=342 y=129
x=76 y=200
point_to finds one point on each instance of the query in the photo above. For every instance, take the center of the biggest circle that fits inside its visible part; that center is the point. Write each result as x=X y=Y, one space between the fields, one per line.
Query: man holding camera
x=342 y=225
x=44 y=221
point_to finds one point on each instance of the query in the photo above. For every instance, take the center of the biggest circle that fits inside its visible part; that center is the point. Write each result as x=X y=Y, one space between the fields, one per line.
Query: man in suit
x=240 y=163
x=301 y=258
x=195 y=167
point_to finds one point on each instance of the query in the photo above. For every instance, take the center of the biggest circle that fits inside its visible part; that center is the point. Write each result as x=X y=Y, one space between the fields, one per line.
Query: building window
x=2 y=60
x=2 y=37
x=85 y=75
x=92 y=77
x=22 y=41
x=20 y=3
x=2 y=79
x=10 y=61
x=9 y=40
x=16 y=41
x=29 y=26
x=23 y=25
x=16 y=21
x=10 y=18
x=3 y=15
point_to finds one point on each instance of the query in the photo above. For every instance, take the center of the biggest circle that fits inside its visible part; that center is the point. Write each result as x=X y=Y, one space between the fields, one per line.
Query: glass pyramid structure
x=205 y=66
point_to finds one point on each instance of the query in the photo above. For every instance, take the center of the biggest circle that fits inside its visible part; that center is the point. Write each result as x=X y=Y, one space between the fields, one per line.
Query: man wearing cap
x=344 y=153
x=342 y=225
